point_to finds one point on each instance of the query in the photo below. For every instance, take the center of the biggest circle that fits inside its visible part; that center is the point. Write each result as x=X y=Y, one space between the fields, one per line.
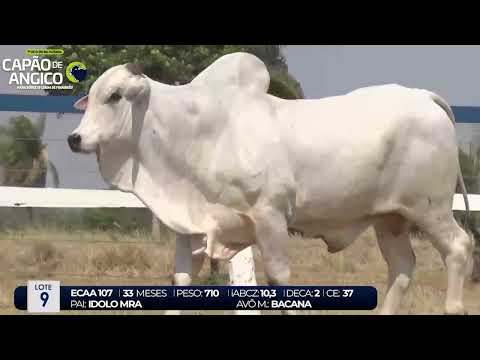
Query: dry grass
x=104 y=258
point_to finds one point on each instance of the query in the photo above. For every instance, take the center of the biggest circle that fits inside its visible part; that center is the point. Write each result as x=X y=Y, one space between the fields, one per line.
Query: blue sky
x=451 y=71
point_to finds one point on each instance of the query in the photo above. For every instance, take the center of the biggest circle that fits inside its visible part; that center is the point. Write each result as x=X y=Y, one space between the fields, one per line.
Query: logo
x=76 y=72
x=42 y=73
x=44 y=52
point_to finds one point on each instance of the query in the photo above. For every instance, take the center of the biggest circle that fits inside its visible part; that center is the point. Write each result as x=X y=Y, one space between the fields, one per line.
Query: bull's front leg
x=241 y=269
x=187 y=266
x=271 y=232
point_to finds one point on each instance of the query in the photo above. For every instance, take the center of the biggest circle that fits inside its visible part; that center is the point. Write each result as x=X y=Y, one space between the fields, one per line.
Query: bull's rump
x=369 y=152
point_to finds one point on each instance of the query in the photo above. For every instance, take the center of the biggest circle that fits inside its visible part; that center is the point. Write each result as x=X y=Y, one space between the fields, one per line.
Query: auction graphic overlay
x=49 y=296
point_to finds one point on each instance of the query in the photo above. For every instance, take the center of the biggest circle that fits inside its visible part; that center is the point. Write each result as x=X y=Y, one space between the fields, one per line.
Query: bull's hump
x=239 y=70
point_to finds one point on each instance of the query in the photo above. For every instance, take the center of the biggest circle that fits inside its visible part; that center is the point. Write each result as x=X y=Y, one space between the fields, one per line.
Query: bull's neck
x=177 y=121
x=161 y=172
x=157 y=164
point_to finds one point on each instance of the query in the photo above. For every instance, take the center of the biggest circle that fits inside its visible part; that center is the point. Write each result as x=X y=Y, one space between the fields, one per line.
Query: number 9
x=44 y=297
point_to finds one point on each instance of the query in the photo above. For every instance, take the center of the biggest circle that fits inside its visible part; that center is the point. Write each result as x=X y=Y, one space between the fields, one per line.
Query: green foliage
x=469 y=164
x=12 y=151
x=21 y=153
x=213 y=279
x=98 y=219
x=125 y=220
x=23 y=156
x=470 y=170
x=165 y=63
x=271 y=55
x=284 y=86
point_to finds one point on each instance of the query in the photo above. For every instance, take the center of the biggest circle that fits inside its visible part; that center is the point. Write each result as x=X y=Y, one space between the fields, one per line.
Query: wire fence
x=83 y=241
x=44 y=169
x=38 y=139
x=28 y=274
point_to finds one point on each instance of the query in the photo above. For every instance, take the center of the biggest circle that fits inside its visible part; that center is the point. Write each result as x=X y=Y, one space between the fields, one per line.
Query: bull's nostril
x=74 y=141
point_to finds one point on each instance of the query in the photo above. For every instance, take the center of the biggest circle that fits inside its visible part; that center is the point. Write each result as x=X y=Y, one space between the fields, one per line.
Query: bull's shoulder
x=241 y=70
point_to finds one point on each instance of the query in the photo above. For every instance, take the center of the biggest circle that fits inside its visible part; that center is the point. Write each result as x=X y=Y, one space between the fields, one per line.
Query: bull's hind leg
x=241 y=269
x=394 y=242
x=455 y=246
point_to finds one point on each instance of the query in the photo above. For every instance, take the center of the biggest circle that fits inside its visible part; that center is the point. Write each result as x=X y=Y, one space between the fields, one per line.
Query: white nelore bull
x=221 y=158
x=187 y=265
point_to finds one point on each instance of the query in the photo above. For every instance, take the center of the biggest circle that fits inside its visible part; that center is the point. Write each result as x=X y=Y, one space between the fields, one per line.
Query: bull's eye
x=115 y=97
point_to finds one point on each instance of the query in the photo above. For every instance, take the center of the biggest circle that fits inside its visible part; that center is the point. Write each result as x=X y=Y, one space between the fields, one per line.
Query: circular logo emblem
x=76 y=71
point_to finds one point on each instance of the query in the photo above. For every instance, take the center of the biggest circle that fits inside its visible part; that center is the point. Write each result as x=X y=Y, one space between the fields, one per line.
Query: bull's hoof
x=456 y=312
x=476 y=279
x=295 y=232
x=289 y=312
x=172 y=312
x=248 y=312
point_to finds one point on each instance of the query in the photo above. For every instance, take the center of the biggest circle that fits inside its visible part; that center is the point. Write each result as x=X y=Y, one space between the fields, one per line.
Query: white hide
x=239 y=165
x=243 y=70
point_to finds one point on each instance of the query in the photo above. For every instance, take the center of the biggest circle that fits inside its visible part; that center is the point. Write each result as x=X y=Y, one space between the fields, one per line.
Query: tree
x=271 y=55
x=174 y=63
x=23 y=156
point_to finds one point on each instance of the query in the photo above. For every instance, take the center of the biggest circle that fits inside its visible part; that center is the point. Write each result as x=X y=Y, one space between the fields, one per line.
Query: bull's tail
x=444 y=105
x=468 y=223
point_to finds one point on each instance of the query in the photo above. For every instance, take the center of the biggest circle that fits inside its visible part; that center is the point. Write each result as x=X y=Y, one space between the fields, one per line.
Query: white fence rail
x=81 y=198
x=66 y=198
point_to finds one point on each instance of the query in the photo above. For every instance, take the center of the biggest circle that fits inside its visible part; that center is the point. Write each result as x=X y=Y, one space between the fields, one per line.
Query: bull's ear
x=82 y=103
x=135 y=88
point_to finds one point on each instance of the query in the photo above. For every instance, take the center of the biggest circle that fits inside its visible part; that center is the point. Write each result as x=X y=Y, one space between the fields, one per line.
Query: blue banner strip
x=39 y=103
x=209 y=298
x=466 y=114
x=64 y=104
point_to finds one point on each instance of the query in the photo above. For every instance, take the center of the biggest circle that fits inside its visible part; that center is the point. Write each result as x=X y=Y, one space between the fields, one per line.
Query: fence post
x=157 y=228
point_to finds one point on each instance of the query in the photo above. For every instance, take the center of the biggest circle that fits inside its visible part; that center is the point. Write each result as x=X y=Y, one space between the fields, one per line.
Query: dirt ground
x=103 y=258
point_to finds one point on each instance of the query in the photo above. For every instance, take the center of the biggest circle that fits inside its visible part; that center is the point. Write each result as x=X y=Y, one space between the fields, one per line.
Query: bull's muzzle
x=74 y=142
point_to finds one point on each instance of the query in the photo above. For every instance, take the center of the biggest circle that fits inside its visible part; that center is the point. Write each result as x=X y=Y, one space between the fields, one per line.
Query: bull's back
x=351 y=152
